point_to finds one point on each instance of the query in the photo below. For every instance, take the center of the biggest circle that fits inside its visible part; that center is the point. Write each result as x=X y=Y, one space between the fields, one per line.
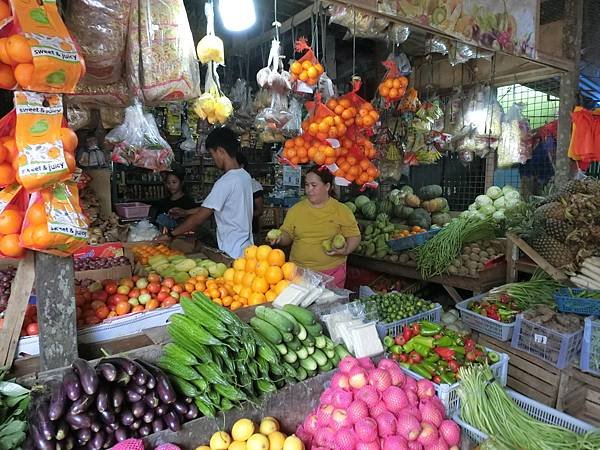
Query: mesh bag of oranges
x=307 y=69
x=394 y=84
x=353 y=109
x=54 y=222
x=8 y=149
x=322 y=123
x=45 y=149
x=37 y=52
x=13 y=201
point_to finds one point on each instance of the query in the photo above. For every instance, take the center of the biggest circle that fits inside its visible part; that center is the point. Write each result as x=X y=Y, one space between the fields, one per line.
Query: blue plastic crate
x=399 y=245
x=590 y=348
x=395 y=328
x=583 y=306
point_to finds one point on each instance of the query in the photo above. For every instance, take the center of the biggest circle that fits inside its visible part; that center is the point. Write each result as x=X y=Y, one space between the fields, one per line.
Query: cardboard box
x=113 y=273
x=108 y=250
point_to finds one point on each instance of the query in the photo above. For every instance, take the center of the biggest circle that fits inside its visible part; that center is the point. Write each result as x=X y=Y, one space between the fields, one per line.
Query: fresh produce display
x=335 y=243
x=497 y=307
x=495 y=203
x=14 y=400
x=549 y=318
x=94 y=263
x=181 y=268
x=380 y=408
x=102 y=229
x=299 y=339
x=375 y=237
x=6 y=277
x=218 y=360
x=436 y=255
x=399 y=234
x=245 y=434
x=474 y=257
x=451 y=320
x=97 y=407
x=486 y=406
x=436 y=352
x=142 y=253
x=587 y=275
x=395 y=306
x=540 y=289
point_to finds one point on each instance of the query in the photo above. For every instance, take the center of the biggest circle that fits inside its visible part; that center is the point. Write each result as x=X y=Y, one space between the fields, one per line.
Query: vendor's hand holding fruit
x=336 y=246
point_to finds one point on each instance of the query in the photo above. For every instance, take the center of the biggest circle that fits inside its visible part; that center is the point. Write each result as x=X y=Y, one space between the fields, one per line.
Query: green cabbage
x=508 y=188
x=498 y=216
x=487 y=210
x=482 y=200
x=494 y=192
x=500 y=203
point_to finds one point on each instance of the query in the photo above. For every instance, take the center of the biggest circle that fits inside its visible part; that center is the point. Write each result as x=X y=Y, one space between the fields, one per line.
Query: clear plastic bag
x=212 y=105
x=79 y=117
x=111 y=117
x=142 y=231
x=210 y=48
x=514 y=146
x=272 y=76
x=110 y=95
x=102 y=36
x=359 y=24
x=276 y=116
x=460 y=53
x=138 y=142
x=436 y=44
x=398 y=33
x=294 y=126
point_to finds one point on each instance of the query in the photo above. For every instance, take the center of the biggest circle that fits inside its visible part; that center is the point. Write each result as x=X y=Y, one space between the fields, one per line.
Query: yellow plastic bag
x=210 y=48
x=213 y=106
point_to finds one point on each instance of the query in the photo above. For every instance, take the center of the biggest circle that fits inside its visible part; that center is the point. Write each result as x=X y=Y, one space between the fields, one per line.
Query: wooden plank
x=15 y=311
x=527 y=390
x=453 y=293
x=512 y=255
x=538 y=384
x=555 y=273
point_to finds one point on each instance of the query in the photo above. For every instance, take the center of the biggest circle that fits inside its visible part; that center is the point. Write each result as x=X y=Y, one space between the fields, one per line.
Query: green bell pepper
x=430 y=367
x=429 y=328
x=433 y=358
x=420 y=370
x=428 y=342
x=448 y=378
x=445 y=341
x=421 y=350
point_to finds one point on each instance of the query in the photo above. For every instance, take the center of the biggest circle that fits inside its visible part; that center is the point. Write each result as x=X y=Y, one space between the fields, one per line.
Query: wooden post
x=55 y=291
x=569 y=84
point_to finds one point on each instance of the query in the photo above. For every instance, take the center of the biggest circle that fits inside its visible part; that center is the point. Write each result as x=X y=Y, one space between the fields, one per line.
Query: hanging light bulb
x=237 y=15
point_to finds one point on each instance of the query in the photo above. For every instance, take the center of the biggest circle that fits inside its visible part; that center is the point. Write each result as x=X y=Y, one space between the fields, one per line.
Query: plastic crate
x=134 y=210
x=583 y=306
x=536 y=410
x=498 y=330
x=447 y=393
x=399 y=245
x=590 y=348
x=395 y=328
x=558 y=349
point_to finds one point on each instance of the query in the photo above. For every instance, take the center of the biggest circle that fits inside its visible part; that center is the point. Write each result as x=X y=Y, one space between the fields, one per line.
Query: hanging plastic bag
x=13 y=202
x=270 y=76
x=94 y=95
x=276 y=116
x=79 y=117
x=359 y=24
x=294 y=125
x=138 y=142
x=410 y=103
x=436 y=44
x=8 y=149
x=239 y=93
x=307 y=69
x=39 y=50
x=54 y=222
x=212 y=105
x=514 y=146
x=398 y=33
x=326 y=87
x=394 y=84
x=210 y=48
x=366 y=116
x=45 y=151
x=460 y=53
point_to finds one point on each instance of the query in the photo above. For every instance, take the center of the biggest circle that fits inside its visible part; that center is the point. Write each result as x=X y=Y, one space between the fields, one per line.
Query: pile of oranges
x=359 y=171
x=11 y=220
x=16 y=61
x=328 y=127
x=410 y=232
x=306 y=71
x=143 y=252
x=393 y=89
x=363 y=114
x=303 y=149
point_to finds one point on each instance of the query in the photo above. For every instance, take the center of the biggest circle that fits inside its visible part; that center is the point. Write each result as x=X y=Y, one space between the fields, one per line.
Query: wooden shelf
x=515 y=263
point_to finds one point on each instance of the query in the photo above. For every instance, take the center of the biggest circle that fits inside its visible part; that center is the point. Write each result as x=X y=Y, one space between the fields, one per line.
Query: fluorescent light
x=237 y=15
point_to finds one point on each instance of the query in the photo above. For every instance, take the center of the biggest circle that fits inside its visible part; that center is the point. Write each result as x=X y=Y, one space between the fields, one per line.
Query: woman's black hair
x=325 y=176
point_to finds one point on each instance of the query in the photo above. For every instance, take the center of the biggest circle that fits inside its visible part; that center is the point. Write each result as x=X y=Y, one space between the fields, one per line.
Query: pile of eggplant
x=95 y=408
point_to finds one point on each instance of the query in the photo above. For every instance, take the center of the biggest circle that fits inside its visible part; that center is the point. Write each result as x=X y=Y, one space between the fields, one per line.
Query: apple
x=144 y=298
x=126 y=282
x=144 y=291
x=123 y=289
x=154 y=288
x=162 y=296
x=141 y=283
x=99 y=295
x=133 y=301
x=168 y=282
x=135 y=292
x=121 y=298
x=111 y=288
x=135 y=278
x=175 y=295
x=154 y=277
x=185 y=294
x=97 y=304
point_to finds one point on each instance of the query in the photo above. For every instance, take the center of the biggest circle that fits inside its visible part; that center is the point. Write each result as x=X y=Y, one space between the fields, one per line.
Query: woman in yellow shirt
x=318 y=218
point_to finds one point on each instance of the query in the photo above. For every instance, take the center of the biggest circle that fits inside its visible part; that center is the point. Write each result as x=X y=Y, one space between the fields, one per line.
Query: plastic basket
x=447 y=393
x=399 y=245
x=558 y=349
x=135 y=210
x=590 y=347
x=536 y=410
x=395 y=328
x=498 y=330
x=583 y=306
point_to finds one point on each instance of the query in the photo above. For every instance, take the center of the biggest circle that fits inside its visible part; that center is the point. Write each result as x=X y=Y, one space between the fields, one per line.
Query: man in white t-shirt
x=230 y=199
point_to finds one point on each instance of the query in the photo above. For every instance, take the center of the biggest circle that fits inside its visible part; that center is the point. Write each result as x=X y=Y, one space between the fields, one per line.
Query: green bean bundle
x=486 y=406
x=538 y=290
x=435 y=256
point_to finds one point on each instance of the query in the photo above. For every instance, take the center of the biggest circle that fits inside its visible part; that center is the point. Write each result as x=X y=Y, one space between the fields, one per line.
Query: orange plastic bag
x=54 y=222
x=394 y=84
x=8 y=149
x=13 y=202
x=307 y=69
x=42 y=160
x=37 y=50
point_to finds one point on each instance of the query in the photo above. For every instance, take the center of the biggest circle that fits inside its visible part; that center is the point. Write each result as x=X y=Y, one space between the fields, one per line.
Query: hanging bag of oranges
x=54 y=222
x=13 y=201
x=354 y=109
x=42 y=159
x=307 y=70
x=8 y=149
x=394 y=84
x=37 y=52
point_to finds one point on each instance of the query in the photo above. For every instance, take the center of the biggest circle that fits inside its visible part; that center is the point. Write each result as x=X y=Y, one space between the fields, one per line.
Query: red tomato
x=121 y=298
x=97 y=304
x=154 y=278
x=135 y=278
x=177 y=288
x=126 y=282
x=165 y=289
x=162 y=296
x=169 y=302
x=144 y=291
x=185 y=294
x=100 y=295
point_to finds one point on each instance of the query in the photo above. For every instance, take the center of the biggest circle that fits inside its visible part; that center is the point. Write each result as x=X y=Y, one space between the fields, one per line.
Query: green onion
x=540 y=289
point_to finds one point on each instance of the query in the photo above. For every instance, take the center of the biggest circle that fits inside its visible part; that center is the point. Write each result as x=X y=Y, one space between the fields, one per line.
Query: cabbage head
x=482 y=200
x=498 y=216
x=500 y=203
x=494 y=192
x=487 y=210
x=507 y=188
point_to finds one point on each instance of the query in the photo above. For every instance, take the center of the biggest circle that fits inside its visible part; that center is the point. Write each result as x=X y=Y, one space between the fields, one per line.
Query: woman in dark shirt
x=176 y=198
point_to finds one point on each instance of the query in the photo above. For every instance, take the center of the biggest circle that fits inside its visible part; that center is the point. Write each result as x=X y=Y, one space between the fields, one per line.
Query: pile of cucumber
x=298 y=338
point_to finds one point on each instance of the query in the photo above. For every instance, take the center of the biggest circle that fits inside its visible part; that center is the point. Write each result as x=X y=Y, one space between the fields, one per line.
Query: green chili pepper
x=429 y=328
x=457 y=349
x=420 y=370
x=428 y=366
x=445 y=341
x=421 y=350
x=448 y=378
x=433 y=358
x=405 y=365
x=388 y=341
x=397 y=349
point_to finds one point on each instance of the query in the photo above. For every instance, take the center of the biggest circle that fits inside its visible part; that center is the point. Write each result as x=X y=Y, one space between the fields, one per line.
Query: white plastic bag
x=142 y=231
x=514 y=146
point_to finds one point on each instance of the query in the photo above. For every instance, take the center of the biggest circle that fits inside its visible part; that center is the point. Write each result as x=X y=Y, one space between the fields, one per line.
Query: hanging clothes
x=585 y=135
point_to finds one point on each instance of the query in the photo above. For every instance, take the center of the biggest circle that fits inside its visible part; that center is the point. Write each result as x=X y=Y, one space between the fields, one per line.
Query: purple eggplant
x=98 y=440
x=137 y=424
x=96 y=426
x=72 y=385
x=172 y=421
x=150 y=380
x=44 y=424
x=70 y=443
x=108 y=417
x=138 y=409
x=102 y=400
x=192 y=412
x=161 y=409
x=110 y=441
x=157 y=425
x=39 y=441
x=180 y=407
x=164 y=389
x=108 y=371
x=83 y=436
x=62 y=431
x=139 y=378
x=28 y=444
x=145 y=430
x=132 y=396
x=58 y=402
x=136 y=388
x=123 y=363
x=118 y=397
x=188 y=400
x=121 y=434
x=79 y=421
x=151 y=399
x=148 y=416
x=87 y=375
x=81 y=405
x=127 y=418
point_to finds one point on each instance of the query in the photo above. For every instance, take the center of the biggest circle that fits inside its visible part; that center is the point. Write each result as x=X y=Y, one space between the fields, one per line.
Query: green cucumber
x=302 y=315
x=341 y=351
x=302 y=353
x=287 y=337
x=303 y=333
x=327 y=367
x=309 y=364
x=309 y=341
x=320 y=342
x=329 y=344
x=319 y=357
x=314 y=329
x=329 y=353
x=291 y=318
x=311 y=350
x=271 y=316
x=281 y=348
x=265 y=329
x=290 y=357
x=294 y=344
x=301 y=374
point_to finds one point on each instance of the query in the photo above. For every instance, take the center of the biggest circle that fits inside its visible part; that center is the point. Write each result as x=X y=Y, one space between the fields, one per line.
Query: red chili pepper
x=396 y=356
x=438 y=336
x=453 y=366
x=444 y=353
x=414 y=358
x=402 y=357
x=399 y=340
x=406 y=333
x=415 y=328
x=469 y=344
x=471 y=356
x=436 y=379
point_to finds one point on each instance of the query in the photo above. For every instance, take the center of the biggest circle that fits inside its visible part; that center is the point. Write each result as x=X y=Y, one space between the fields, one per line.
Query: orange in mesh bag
x=393 y=87
x=13 y=201
x=38 y=50
x=353 y=109
x=307 y=69
x=8 y=149
x=54 y=222
x=42 y=159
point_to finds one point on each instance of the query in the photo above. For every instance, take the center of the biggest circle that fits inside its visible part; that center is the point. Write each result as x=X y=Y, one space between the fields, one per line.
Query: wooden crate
x=580 y=396
x=529 y=375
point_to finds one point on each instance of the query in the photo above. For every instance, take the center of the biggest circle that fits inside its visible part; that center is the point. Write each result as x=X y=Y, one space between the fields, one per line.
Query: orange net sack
x=13 y=201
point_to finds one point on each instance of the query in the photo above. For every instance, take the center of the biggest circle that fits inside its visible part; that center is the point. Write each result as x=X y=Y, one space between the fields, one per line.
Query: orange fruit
x=250 y=265
x=4 y=58
x=303 y=76
x=296 y=68
x=23 y=74
x=42 y=238
x=274 y=275
x=237 y=288
x=306 y=65
x=250 y=252
x=289 y=270
x=123 y=308
x=11 y=146
x=229 y=274
x=4 y=10
x=3 y=154
x=10 y=246
x=239 y=264
x=246 y=292
x=7 y=77
x=261 y=268
x=263 y=252
x=256 y=298
x=276 y=257
x=235 y=305
x=70 y=160
x=19 y=49
x=238 y=276
x=248 y=279
x=271 y=295
x=27 y=237
x=259 y=284
x=68 y=137
x=281 y=286
x=11 y=221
